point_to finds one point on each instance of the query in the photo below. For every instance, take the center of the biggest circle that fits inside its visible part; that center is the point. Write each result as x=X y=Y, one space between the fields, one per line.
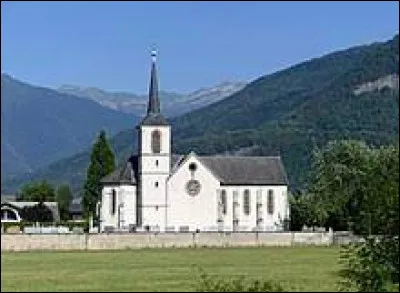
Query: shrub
x=6 y=225
x=372 y=266
x=209 y=283
x=13 y=229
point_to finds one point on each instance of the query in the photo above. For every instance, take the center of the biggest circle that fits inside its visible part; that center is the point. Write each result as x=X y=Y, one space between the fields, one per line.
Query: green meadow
x=300 y=268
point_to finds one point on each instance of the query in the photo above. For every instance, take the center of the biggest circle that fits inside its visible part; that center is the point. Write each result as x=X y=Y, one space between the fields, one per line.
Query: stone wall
x=25 y=242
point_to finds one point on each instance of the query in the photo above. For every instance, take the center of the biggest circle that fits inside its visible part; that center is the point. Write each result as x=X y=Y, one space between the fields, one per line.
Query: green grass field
x=303 y=268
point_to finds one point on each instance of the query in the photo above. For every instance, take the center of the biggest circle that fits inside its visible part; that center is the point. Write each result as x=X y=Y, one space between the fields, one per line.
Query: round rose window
x=193 y=187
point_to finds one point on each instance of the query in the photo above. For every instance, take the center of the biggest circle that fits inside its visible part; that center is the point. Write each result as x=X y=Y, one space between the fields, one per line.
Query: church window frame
x=156 y=141
x=224 y=204
x=113 y=201
x=193 y=187
x=270 y=202
x=156 y=184
x=246 y=202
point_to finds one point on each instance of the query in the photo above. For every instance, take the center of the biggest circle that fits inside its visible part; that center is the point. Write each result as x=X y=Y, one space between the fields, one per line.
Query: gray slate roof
x=154 y=119
x=127 y=174
x=230 y=170
x=247 y=170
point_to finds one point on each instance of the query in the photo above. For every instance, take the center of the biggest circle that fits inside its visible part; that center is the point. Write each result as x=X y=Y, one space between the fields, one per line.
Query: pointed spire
x=154 y=103
x=154 y=116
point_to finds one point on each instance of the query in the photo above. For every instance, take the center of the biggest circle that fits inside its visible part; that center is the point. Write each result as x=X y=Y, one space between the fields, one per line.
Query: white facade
x=120 y=211
x=154 y=169
x=195 y=212
x=204 y=211
x=191 y=193
x=169 y=207
x=257 y=217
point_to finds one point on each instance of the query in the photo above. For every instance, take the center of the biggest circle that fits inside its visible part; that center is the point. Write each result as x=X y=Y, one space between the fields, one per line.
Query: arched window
x=113 y=201
x=246 y=202
x=12 y=215
x=223 y=201
x=8 y=214
x=156 y=141
x=270 y=202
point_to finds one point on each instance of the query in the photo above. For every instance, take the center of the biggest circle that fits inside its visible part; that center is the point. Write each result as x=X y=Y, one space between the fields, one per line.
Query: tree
x=340 y=181
x=305 y=210
x=350 y=180
x=374 y=264
x=64 y=197
x=37 y=191
x=358 y=187
x=102 y=162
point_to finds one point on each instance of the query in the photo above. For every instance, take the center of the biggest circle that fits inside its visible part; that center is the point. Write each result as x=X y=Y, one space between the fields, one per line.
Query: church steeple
x=154 y=116
x=154 y=103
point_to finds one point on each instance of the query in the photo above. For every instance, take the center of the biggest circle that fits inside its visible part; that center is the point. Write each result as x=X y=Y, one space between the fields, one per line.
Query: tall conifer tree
x=102 y=162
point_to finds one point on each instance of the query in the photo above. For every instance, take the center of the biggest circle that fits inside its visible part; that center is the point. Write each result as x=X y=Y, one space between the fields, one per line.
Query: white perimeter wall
x=26 y=242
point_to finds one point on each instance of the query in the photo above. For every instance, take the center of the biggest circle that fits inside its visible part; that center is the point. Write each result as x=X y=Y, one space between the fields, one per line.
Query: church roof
x=127 y=173
x=247 y=170
x=154 y=119
x=230 y=169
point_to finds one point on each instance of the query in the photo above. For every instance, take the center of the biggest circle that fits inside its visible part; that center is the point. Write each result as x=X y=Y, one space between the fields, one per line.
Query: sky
x=199 y=44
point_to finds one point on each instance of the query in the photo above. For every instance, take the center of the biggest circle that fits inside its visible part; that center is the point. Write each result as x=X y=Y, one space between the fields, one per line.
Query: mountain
x=40 y=125
x=352 y=93
x=173 y=104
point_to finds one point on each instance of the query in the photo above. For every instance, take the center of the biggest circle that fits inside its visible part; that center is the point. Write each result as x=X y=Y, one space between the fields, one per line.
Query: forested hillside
x=288 y=113
x=40 y=125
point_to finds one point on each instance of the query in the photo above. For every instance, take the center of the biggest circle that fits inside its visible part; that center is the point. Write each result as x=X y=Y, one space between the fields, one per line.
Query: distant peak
x=6 y=76
x=68 y=87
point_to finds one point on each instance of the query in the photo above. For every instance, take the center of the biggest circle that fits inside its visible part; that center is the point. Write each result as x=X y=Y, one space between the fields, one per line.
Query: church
x=156 y=190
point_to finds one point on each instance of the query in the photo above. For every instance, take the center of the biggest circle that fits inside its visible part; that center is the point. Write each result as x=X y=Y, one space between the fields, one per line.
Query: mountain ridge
x=40 y=125
x=287 y=113
x=173 y=104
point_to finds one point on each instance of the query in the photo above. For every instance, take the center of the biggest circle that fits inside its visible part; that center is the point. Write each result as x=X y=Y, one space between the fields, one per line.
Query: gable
x=183 y=163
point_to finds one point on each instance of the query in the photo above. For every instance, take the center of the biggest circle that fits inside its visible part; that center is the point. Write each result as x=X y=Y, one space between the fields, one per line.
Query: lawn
x=304 y=268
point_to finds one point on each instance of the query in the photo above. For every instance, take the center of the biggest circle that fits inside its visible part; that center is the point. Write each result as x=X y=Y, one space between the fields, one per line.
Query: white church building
x=156 y=190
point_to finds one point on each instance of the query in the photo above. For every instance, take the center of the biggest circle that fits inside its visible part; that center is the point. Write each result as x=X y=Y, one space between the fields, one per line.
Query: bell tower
x=154 y=154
